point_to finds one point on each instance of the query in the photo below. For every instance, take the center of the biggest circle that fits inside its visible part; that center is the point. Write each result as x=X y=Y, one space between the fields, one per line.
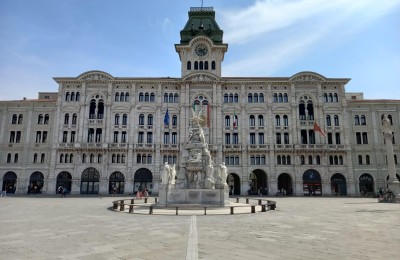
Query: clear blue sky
x=42 y=39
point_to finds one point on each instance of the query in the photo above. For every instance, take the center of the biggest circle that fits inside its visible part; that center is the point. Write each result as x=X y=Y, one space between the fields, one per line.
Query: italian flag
x=234 y=119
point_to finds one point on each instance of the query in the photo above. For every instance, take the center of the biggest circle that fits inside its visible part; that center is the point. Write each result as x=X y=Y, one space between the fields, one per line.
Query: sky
x=42 y=39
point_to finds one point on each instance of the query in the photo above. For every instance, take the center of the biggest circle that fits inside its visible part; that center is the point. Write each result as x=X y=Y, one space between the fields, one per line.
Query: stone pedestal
x=395 y=188
x=173 y=197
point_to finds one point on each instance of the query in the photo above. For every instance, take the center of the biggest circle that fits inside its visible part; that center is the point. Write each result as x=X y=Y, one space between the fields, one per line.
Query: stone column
x=393 y=183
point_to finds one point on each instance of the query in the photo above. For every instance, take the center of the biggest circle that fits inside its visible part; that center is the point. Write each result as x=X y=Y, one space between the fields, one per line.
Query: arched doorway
x=36 y=183
x=117 y=181
x=258 y=182
x=285 y=183
x=233 y=181
x=90 y=181
x=143 y=179
x=338 y=185
x=64 y=179
x=366 y=183
x=312 y=183
x=9 y=182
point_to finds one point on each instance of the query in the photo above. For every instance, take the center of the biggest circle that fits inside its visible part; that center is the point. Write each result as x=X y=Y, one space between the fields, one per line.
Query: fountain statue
x=198 y=181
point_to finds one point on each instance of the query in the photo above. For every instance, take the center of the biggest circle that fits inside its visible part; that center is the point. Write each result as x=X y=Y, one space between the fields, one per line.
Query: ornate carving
x=307 y=77
x=96 y=75
x=201 y=77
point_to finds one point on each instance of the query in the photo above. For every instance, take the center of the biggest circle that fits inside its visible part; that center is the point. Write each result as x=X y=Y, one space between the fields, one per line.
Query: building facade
x=302 y=134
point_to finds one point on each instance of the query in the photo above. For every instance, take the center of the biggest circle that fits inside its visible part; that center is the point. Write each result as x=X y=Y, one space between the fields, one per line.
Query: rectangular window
x=261 y=138
x=227 y=138
x=278 y=138
x=140 y=137
x=286 y=138
x=337 y=137
x=330 y=141
x=123 y=137
x=365 y=138
x=44 y=137
x=12 y=137
x=252 y=138
x=73 y=133
x=149 y=137
x=166 y=138
x=65 y=137
x=235 y=138
x=174 y=138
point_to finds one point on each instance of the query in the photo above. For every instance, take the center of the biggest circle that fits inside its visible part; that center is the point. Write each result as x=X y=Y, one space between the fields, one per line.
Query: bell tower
x=201 y=49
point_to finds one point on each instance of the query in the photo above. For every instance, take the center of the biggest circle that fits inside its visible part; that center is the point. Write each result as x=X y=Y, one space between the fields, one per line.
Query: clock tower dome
x=201 y=49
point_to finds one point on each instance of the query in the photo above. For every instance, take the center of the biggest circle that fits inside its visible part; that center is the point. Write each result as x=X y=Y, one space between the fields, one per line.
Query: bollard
x=155 y=200
x=263 y=208
x=176 y=211
x=151 y=210
x=115 y=205
x=237 y=200
x=232 y=211
x=122 y=206
x=253 y=209
x=273 y=206
x=130 y=208
x=145 y=200
x=259 y=202
x=247 y=201
x=205 y=211
x=132 y=201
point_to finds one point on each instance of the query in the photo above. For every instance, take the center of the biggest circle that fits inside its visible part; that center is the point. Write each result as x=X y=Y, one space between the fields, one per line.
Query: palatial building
x=99 y=131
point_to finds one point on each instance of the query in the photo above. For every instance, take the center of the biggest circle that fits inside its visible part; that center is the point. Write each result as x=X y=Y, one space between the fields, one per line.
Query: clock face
x=201 y=50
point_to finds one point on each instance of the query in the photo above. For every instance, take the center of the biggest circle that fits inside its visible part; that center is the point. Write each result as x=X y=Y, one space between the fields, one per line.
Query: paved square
x=301 y=228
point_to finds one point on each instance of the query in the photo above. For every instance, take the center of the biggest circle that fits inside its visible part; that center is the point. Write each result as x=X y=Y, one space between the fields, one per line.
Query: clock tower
x=201 y=49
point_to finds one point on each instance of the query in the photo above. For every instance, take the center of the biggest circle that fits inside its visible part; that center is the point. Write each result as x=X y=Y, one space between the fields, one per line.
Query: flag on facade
x=166 y=118
x=234 y=119
x=316 y=128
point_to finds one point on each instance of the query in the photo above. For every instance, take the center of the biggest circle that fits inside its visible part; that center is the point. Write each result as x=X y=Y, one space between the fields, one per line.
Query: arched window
x=213 y=65
x=152 y=97
x=40 y=119
x=141 y=97
x=14 y=119
x=165 y=97
x=176 y=98
x=226 y=98
x=150 y=119
x=42 y=158
x=91 y=159
x=277 y=120
x=236 y=98
x=174 y=120
x=360 y=160
x=260 y=120
x=325 y=97
x=275 y=98
x=196 y=65
x=146 y=97
x=122 y=97
x=318 y=160
x=206 y=65
x=67 y=96
x=310 y=159
x=20 y=117
x=141 y=119
x=74 y=117
x=188 y=65
x=231 y=98
x=255 y=98
x=171 y=98
x=250 y=98
x=285 y=120
x=127 y=96
x=336 y=120
x=46 y=119
x=61 y=158
x=331 y=160
x=227 y=121
x=335 y=97
x=124 y=119
x=116 y=121
x=330 y=97
x=35 y=157
x=66 y=119
x=252 y=120
x=356 y=120
x=363 y=120
x=328 y=120
x=201 y=65
x=84 y=158
x=72 y=96
x=280 y=98
x=340 y=160
x=78 y=96
x=285 y=98
x=288 y=159
x=336 y=160
x=278 y=160
x=116 y=96
x=302 y=160
x=9 y=158
x=261 y=98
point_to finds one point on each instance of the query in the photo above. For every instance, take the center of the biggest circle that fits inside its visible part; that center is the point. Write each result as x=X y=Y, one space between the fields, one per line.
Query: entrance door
x=338 y=185
x=312 y=183
x=258 y=183
x=143 y=179
x=36 y=183
x=117 y=181
x=233 y=182
x=64 y=179
x=9 y=182
x=90 y=181
x=285 y=184
x=366 y=183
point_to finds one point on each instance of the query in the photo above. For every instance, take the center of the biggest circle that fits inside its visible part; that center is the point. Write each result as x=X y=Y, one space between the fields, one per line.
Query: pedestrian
x=114 y=190
x=3 y=193
x=146 y=192
x=60 y=191
x=65 y=191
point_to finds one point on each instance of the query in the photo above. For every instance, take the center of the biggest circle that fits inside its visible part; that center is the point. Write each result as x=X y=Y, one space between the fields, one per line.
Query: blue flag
x=166 y=118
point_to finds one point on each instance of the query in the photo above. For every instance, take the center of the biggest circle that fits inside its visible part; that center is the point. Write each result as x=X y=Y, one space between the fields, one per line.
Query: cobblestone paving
x=301 y=228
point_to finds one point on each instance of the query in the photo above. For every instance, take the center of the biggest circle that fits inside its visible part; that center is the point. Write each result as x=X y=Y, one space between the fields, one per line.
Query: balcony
x=232 y=147
x=258 y=147
x=95 y=121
